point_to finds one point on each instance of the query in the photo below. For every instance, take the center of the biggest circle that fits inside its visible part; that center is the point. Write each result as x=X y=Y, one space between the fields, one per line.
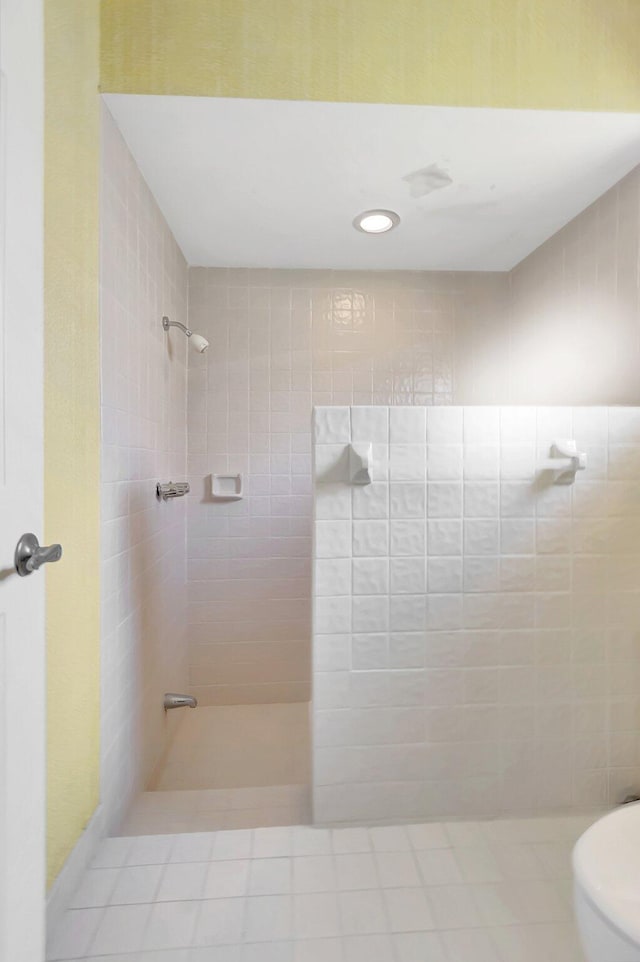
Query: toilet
x=606 y=874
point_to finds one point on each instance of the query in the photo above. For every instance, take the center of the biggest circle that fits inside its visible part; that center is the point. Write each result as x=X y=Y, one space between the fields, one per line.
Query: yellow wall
x=558 y=54
x=72 y=418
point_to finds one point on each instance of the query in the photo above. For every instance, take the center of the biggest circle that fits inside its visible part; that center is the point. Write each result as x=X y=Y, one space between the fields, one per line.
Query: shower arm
x=166 y=324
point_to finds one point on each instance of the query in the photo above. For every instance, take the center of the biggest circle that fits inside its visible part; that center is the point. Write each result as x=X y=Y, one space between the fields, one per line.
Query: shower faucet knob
x=173 y=489
x=31 y=555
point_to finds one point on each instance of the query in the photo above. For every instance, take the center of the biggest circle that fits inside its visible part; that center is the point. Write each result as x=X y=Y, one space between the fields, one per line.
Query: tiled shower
x=474 y=616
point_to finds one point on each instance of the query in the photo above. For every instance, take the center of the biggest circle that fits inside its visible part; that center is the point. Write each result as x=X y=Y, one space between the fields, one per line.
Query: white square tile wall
x=143 y=404
x=477 y=629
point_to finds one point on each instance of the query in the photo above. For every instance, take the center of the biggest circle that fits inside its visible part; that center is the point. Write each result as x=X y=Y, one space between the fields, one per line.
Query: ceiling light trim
x=392 y=220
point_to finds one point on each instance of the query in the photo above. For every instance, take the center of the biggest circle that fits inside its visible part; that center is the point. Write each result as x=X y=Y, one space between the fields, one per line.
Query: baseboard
x=62 y=890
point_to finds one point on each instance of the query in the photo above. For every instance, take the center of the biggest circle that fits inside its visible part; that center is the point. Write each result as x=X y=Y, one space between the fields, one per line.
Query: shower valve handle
x=30 y=555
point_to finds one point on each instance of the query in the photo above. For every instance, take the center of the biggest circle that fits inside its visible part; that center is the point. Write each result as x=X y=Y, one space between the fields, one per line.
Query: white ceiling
x=263 y=183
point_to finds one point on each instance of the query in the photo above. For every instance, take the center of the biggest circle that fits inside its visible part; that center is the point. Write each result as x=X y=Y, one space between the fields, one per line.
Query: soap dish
x=226 y=487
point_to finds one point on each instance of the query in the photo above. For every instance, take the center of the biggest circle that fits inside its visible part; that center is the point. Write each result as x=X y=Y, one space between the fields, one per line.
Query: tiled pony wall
x=143 y=407
x=477 y=627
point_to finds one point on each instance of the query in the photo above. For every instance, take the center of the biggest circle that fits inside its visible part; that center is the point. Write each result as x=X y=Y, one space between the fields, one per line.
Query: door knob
x=30 y=555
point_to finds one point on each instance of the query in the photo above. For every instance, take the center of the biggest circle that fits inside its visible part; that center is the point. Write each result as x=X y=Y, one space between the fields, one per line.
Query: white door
x=22 y=648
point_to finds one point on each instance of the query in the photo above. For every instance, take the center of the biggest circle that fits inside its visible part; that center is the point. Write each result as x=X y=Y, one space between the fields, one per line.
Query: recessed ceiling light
x=376 y=221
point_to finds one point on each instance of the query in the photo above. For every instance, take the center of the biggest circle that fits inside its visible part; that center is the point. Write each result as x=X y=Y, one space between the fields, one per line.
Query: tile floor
x=495 y=891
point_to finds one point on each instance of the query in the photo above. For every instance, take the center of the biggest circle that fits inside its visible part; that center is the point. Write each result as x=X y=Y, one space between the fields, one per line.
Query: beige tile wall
x=143 y=276
x=282 y=341
x=571 y=333
x=477 y=627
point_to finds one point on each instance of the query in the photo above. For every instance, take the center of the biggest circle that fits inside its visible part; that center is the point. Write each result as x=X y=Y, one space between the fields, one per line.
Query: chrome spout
x=173 y=700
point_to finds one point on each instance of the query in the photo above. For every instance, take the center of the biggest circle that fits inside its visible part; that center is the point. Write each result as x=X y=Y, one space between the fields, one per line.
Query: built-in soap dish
x=226 y=487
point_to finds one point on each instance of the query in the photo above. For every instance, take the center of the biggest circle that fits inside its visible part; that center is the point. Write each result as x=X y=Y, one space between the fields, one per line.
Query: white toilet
x=606 y=872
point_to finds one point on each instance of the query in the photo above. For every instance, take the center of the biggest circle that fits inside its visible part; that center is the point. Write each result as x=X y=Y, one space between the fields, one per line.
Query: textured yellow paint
x=554 y=54
x=72 y=418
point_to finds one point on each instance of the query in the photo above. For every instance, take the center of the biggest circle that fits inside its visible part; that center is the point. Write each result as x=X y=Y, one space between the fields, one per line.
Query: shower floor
x=232 y=766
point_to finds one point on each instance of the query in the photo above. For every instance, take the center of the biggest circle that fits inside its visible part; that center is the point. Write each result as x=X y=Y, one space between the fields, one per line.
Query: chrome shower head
x=199 y=342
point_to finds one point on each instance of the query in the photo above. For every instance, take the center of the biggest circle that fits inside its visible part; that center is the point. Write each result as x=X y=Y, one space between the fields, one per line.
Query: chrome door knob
x=30 y=555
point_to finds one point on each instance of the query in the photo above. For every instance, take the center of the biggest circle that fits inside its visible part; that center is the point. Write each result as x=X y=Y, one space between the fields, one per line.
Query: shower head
x=199 y=342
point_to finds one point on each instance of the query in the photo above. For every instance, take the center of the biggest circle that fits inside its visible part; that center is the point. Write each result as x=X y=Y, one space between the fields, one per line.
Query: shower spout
x=173 y=700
